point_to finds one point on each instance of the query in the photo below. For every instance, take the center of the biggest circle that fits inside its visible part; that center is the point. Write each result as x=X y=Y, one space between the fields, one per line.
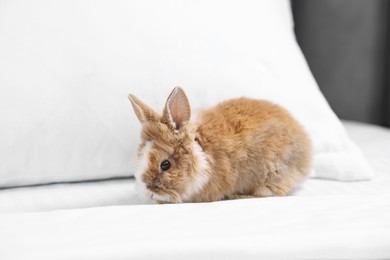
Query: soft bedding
x=321 y=219
x=325 y=227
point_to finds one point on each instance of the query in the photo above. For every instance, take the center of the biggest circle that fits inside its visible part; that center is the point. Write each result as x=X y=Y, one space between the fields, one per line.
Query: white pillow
x=67 y=67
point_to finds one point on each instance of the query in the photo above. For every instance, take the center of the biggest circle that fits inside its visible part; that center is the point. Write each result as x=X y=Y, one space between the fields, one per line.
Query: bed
x=322 y=219
x=66 y=188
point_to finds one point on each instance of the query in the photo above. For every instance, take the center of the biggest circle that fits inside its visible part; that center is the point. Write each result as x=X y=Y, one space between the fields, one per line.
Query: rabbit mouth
x=158 y=197
x=167 y=198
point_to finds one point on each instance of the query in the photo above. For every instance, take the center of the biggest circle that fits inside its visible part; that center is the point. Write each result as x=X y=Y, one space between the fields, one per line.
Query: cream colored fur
x=242 y=147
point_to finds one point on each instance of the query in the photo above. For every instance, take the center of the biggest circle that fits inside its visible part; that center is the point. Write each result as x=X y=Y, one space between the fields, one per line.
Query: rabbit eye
x=165 y=165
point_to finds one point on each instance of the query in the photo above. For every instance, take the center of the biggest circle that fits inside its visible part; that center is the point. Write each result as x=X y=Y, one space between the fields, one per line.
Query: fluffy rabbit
x=241 y=147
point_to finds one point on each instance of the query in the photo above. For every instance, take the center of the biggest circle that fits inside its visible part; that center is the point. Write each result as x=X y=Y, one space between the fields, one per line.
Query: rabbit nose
x=154 y=183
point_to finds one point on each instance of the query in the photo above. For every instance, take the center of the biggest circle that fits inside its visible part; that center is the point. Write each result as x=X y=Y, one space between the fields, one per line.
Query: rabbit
x=240 y=148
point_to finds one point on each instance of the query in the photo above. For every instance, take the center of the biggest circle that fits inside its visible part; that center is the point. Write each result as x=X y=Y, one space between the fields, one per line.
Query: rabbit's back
x=255 y=147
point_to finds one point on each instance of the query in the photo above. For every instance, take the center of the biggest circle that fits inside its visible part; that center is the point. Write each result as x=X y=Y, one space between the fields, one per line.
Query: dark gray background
x=346 y=43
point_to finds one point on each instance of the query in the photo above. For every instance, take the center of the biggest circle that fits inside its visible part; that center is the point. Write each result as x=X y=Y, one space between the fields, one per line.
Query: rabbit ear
x=142 y=111
x=177 y=111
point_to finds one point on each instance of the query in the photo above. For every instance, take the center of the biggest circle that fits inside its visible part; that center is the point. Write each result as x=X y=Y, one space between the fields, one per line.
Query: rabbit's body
x=241 y=147
x=254 y=148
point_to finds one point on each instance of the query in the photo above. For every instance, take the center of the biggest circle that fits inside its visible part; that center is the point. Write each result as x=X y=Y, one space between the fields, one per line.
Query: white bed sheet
x=321 y=227
x=322 y=219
